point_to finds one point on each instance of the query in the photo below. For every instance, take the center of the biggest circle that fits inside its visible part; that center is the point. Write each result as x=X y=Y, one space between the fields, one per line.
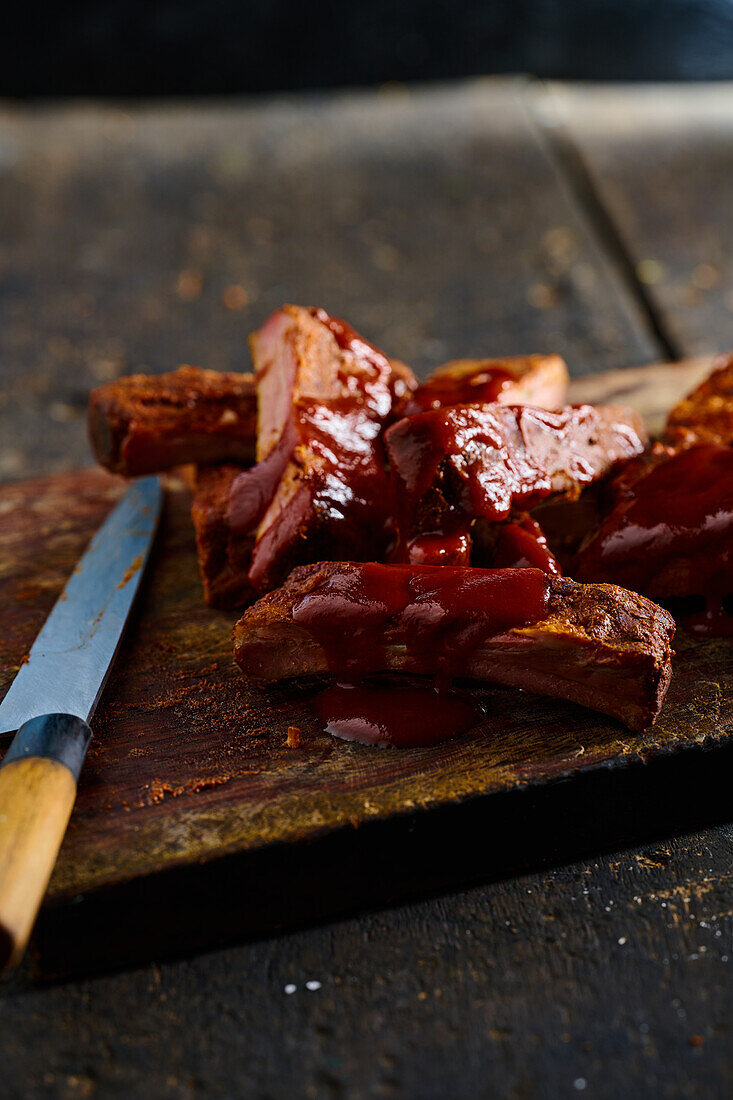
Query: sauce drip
x=432 y=617
x=522 y=545
x=482 y=388
x=397 y=716
x=678 y=517
x=441 y=549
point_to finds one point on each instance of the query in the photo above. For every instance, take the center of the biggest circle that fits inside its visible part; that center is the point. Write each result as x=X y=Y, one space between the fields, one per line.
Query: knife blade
x=70 y=659
x=51 y=700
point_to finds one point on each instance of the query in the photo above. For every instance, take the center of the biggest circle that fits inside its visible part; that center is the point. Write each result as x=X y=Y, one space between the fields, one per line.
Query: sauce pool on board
x=437 y=616
x=395 y=716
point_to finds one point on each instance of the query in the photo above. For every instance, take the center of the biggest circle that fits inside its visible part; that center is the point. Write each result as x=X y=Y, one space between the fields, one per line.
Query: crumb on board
x=293 y=739
x=158 y=789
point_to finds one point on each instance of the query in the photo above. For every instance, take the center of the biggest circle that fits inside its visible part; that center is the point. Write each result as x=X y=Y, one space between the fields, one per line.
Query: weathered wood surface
x=435 y=222
x=191 y=764
x=491 y=991
x=661 y=161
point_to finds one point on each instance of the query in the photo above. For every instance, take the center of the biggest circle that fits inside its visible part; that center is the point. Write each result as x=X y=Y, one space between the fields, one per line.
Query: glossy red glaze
x=439 y=614
x=454 y=465
x=440 y=549
x=394 y=716
x=523 y=545
x=348 y=339
x=480 y=388
x=671 y=531
x=323 y=490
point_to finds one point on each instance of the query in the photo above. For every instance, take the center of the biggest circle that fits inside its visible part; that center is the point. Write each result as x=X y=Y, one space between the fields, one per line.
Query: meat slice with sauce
x=320 y=488
x=665 y=526
x=667 y=529
x=596 y=645
x=144 y=424
x=540 y=380
x=455 y=466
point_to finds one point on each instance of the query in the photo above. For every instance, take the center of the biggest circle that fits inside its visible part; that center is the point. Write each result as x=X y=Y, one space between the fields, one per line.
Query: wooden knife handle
x=37 y=791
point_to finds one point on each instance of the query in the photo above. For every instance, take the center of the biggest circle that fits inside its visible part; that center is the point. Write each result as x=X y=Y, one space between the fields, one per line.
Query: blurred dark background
x=184 y=47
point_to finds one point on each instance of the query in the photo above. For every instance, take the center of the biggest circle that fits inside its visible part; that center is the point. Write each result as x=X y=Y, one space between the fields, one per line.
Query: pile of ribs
x=370 y=524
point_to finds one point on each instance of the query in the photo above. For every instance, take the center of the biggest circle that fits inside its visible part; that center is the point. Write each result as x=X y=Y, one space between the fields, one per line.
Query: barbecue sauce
x=441 y=549
x=467 y=462
x=480 y=388
x=437 y=615
x=522 y=545
x=323 y=489
x=393 y=716
x=348 y=339
x=674 y=522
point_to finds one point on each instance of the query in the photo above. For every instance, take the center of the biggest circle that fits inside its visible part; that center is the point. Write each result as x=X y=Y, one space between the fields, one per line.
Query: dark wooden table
x=489 y=218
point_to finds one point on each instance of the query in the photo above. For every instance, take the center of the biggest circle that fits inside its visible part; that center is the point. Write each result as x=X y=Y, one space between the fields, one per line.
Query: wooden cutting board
x=195 y=822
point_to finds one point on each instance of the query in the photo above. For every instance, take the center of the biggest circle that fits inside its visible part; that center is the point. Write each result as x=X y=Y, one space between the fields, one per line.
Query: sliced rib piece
x=706 y=414
x=145 y=423
x=597 y=645
x=224 y=557
x=455 y=465
x=321 y=488
x=540 y=380
x=668 y=531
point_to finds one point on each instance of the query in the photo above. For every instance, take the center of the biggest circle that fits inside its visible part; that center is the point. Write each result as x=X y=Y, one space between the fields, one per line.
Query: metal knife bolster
x=61 y=737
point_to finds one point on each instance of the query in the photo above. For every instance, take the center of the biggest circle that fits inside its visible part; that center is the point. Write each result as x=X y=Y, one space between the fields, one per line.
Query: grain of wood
x=661 y=161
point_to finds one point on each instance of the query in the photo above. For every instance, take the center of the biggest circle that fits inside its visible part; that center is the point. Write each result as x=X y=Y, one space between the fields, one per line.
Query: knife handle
x=37 y=791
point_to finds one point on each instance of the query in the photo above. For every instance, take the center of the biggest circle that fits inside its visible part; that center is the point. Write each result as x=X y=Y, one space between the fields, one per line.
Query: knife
x=51 y=701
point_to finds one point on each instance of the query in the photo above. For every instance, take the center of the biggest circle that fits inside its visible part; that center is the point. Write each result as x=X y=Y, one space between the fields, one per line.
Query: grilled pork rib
x=320 y=488
x=144 y=423
x=596 y=645
x=666 y=526
x=453 y=466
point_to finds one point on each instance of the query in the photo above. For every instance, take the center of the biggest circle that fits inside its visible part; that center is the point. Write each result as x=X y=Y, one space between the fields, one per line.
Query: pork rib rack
x=596 y=645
